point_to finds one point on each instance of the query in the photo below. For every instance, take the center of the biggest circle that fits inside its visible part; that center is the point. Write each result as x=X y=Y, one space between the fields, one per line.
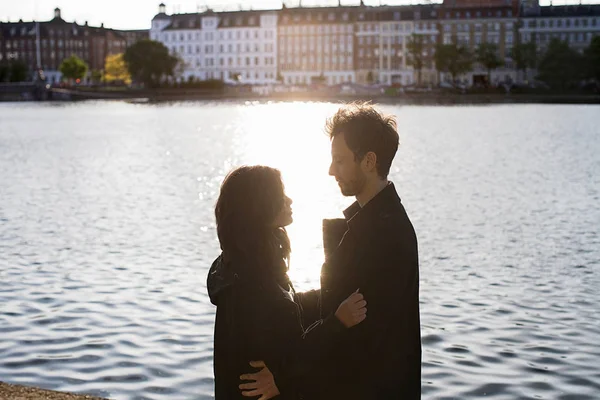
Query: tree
x=4 y=72
x=96 y=76
x=73 y=68
x=415 y=54
x=16 y=71
x=525 y=56
x=115 y=69
x=370 y=77
x=561 y=66
x=149 y=62
x=453 y=59
x=487 y=55
x=592 y=59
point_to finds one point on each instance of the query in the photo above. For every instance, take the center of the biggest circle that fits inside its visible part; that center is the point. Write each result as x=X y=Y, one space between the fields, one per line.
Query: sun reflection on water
x=290 y=137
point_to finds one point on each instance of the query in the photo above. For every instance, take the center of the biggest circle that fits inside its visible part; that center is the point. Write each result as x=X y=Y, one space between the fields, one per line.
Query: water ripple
x=107 y=231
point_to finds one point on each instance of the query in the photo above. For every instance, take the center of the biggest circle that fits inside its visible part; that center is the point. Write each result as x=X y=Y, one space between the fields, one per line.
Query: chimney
x=102 y=25
x=86 y=23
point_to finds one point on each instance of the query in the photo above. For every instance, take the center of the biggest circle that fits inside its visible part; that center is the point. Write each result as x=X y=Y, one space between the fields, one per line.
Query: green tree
x=149 y=62
x=14 y=71
x=73 y=68
x=561 y=66
x=592 y=59
x=487 y=55
x=97 y=76
x=4 y=72
x=525 y=56
x=453 y=59
x=415 y=47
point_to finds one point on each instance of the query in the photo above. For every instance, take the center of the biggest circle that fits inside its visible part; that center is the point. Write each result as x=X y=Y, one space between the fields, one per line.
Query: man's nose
x=331 y=169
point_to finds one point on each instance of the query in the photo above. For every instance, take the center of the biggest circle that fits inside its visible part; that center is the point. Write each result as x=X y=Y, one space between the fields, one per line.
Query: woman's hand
x=263 y=384
x=353 y=310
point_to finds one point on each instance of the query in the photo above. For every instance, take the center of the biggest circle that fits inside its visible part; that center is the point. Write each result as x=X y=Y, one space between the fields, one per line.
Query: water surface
x=107 y=232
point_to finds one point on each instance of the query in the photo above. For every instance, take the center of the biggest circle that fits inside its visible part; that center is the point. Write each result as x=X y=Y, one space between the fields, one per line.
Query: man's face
x=347 y=172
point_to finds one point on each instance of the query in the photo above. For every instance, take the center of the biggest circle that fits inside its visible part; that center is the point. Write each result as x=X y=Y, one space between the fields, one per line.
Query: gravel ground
x=16 y=392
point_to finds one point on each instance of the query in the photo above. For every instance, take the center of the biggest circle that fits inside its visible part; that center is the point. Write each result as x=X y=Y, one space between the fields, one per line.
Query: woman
x=259 y=315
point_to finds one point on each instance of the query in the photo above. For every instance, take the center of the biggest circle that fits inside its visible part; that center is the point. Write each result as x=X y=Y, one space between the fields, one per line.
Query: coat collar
x=358 y=217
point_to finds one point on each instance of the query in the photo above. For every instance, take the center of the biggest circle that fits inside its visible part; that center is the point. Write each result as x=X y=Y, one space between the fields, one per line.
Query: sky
x=137 y=14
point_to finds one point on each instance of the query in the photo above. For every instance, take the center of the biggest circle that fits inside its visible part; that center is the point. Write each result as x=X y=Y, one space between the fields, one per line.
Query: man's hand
x=353 y=310
x=263 y=385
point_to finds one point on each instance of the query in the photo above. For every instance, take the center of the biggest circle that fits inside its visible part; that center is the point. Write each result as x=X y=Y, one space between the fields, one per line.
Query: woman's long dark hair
x=251 y=198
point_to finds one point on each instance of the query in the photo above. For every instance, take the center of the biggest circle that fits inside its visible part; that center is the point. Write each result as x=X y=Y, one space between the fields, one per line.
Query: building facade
x=316 y=45
x=46 y=44
x=470 y=23
x=382 y=41
x=236 y=47
x=574 y=24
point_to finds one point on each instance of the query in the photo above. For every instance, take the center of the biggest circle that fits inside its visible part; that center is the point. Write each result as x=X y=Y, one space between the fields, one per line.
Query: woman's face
x=285 y=215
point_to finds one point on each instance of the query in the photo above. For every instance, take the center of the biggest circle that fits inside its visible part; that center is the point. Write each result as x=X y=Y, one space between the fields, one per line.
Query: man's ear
x=370 y=161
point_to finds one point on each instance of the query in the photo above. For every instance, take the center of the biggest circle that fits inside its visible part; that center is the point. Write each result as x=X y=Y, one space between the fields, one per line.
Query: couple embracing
x=358 y=336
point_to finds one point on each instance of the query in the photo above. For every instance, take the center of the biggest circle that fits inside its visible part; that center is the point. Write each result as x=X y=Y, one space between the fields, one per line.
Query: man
x=375 y=249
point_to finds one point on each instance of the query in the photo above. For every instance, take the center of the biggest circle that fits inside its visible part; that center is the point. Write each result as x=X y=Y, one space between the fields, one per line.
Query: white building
x=231 y=46
x=575 y=24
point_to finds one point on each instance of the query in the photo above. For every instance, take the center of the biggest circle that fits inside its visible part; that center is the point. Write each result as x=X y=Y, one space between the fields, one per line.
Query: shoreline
x=412 y=98
x=19 y=392
x=428 y=98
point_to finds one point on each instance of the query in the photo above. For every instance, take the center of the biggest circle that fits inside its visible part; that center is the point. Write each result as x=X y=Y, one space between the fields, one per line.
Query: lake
x=107 y=232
